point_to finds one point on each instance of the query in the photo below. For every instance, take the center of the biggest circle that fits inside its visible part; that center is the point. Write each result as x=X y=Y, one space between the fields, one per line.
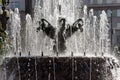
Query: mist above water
x=93 y=40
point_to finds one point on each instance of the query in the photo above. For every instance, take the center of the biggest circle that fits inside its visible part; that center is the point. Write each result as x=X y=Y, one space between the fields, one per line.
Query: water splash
x=94 y=38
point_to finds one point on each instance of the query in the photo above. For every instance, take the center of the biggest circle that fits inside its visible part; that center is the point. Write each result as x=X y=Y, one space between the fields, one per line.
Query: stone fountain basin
x=56 y=68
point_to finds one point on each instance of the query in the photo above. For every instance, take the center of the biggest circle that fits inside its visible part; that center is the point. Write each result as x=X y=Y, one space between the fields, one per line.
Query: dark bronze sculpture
x=62 y=34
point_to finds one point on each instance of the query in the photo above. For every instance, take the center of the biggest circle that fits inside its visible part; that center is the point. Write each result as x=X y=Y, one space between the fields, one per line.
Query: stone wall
x=56 y=68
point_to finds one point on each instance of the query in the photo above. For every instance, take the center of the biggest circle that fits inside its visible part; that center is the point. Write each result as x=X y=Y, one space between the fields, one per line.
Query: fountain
x=87 y=55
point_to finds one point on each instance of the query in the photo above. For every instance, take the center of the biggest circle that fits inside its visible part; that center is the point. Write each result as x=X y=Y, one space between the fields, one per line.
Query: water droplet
x=76 y=77
x=29 y=59
x=28 y=69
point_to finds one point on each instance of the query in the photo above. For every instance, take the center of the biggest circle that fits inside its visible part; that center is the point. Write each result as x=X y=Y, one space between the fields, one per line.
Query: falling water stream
x=18 y=69
x=36 y=69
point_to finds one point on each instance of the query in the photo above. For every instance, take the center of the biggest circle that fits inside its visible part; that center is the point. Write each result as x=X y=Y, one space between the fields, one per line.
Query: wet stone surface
x=56 y=68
